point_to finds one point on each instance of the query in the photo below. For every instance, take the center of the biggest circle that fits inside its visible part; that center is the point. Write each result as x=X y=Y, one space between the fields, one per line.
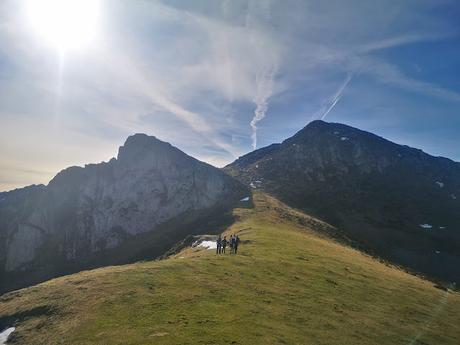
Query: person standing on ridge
x=233 y=243
x=230 y=242
x=224 y=244
x=237 y=242
x=219 y=245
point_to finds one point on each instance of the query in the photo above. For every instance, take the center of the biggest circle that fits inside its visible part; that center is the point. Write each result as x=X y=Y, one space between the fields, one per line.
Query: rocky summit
x=130 y=208
x=391 y=200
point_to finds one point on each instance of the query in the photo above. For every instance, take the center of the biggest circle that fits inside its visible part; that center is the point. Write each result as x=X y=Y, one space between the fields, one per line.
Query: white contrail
x=257 y=17
x=264 y=89
x=337 y=96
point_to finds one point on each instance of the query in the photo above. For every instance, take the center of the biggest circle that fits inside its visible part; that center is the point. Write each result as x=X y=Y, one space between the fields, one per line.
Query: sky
x=219 y=78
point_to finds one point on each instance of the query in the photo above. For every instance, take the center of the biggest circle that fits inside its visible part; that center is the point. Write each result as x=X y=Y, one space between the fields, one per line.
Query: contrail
x=258 y=16
x=264 y=85
x=337 y=96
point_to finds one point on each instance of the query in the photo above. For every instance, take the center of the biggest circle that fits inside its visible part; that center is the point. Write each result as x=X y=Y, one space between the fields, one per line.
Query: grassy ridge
x=288 y=285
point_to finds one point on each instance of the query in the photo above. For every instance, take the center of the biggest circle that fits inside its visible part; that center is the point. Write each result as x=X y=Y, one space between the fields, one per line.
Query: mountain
x=133 y=207
x=393 y=201
x=289 y=284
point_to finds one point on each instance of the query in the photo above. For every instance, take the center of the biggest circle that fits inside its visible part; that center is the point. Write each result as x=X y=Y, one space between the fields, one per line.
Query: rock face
x=133 y=207
x=394 y=201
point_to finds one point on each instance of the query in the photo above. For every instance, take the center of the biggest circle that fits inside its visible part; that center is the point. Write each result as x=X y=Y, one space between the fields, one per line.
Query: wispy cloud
x=388 y=73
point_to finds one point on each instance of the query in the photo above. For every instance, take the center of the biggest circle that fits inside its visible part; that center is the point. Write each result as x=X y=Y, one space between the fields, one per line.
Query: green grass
x=288 y=285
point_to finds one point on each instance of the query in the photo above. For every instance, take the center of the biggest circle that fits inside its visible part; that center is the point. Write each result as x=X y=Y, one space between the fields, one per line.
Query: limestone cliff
x=132 y=207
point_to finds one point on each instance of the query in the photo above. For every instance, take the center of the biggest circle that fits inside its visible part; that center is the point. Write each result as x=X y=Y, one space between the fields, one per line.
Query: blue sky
x=217 y=78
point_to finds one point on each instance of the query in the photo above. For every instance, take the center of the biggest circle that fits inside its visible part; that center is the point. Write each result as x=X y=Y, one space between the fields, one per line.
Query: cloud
x=264 y=89
x=400 y=40
x=390 y=74
x=258 y=16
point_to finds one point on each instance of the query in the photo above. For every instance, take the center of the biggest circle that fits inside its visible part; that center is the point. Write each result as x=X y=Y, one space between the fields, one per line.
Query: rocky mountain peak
x=139 y=145
x=383 y=195
x=319 y=129
x=133 y=207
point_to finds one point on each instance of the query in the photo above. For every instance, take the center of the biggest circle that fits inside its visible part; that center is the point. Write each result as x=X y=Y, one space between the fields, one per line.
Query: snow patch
x=344 y=138
x=454 y=197
x=336 y=133
x=245 y=199
x=426 y=226
x=440 y=184
x=5 y=334
x=437 y=252
x=442 y=227
x=255 y=184
x=207 y=244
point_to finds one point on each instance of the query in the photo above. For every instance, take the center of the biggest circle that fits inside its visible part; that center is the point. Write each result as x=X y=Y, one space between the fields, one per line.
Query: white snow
x=257 y=165
x=437 y=252
x=255 y=184
x=344 y=138
x=208 y=244
x=442 y=227
x=245 y=199
x=453 y=196
x=426 y=226
x=336 y=132
x=440 y=184
x=5 y=334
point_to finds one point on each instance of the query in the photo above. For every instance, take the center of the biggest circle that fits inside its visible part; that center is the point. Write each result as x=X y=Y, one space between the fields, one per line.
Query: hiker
x=219 y=245
x=230 y=243
x=233 y=244
x=224 y=244
x=237 y=242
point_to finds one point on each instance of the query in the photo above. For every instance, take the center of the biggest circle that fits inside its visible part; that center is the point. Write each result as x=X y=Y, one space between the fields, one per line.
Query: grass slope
x=288 y=285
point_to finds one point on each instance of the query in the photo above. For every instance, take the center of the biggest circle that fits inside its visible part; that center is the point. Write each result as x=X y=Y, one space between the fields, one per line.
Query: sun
x=64 y=24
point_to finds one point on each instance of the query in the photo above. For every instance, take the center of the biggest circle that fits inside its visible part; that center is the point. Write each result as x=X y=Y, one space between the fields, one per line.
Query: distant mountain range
x=134 y=207
x=393 y=201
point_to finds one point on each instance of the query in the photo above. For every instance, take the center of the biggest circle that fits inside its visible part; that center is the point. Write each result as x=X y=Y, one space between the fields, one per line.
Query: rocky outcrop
x=394 y=201
x=133 y=207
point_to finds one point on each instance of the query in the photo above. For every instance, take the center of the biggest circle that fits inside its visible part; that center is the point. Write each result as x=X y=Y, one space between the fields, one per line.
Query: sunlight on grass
x=288 y=285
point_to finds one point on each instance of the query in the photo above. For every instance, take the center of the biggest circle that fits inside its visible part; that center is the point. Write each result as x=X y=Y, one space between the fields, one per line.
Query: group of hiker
x=222 y=243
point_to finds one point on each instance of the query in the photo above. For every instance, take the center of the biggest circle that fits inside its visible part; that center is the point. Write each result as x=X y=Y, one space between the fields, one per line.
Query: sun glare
x=64 y=24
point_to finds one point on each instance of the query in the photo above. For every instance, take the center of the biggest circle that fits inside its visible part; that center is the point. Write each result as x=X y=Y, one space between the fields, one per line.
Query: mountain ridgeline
x=393 y=201
x=130 y=208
